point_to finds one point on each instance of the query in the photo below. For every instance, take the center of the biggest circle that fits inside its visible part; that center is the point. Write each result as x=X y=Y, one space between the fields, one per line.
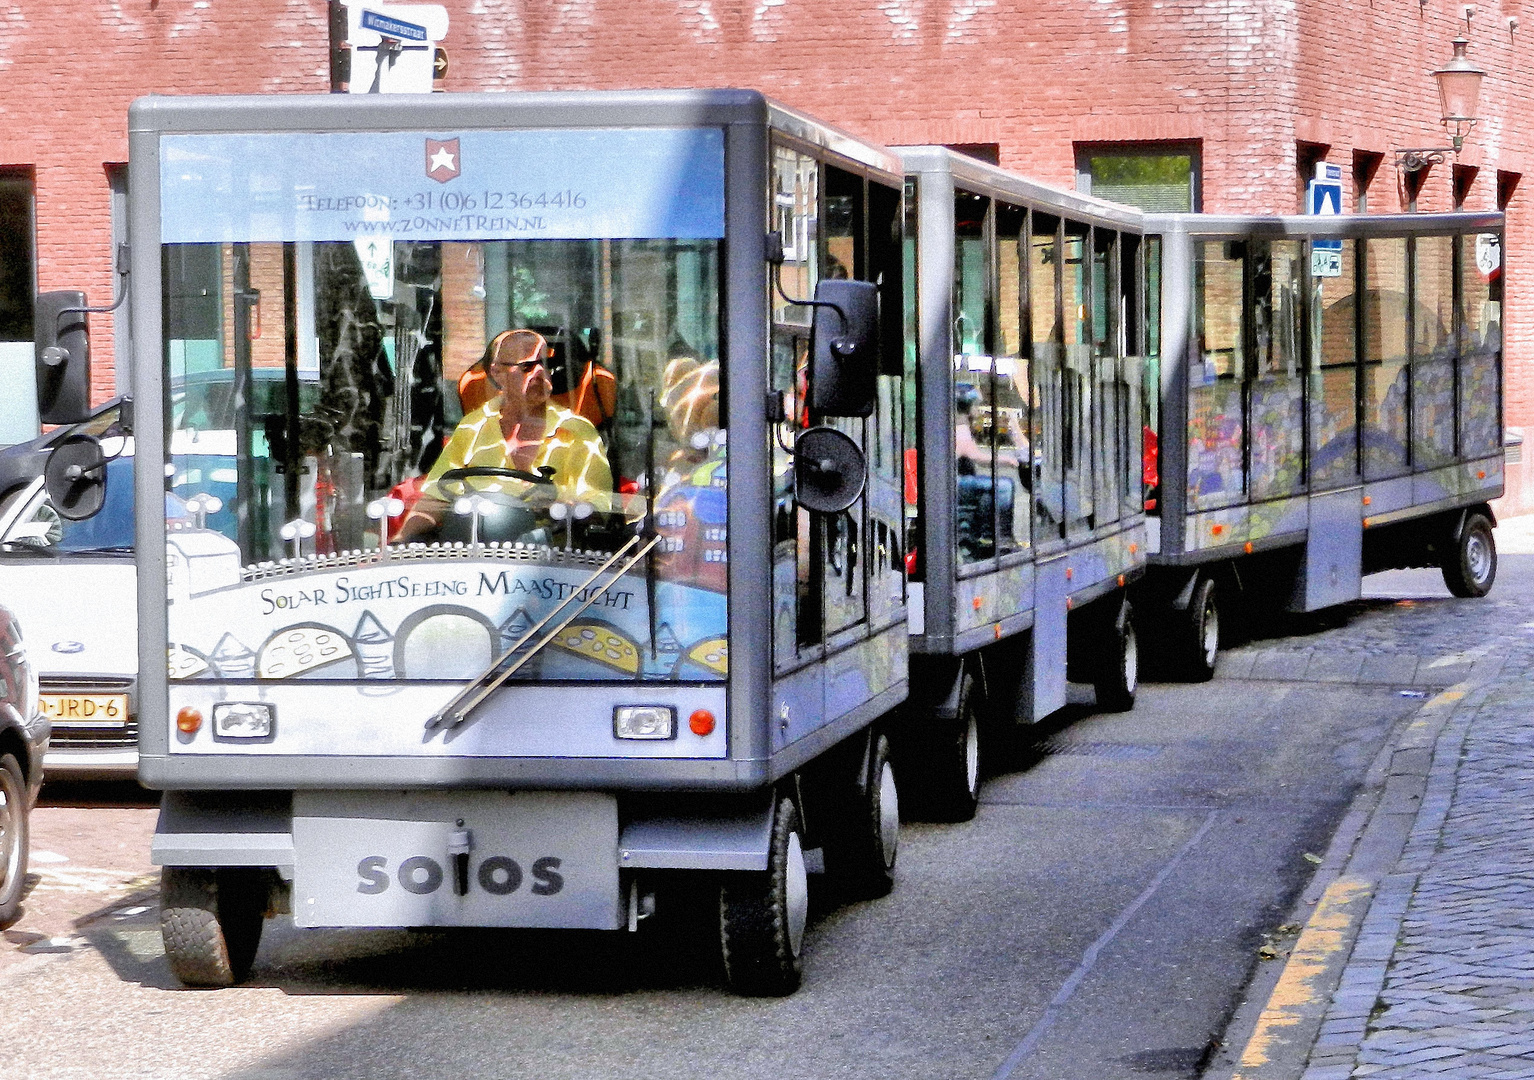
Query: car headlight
x=243 y=720
x=644 y=722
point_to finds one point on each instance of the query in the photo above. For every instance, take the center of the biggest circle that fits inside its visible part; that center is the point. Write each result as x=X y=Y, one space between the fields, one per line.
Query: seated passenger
x=518 y=428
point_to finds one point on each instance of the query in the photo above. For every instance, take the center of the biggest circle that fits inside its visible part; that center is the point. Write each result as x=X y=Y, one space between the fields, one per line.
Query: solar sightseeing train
x=620 y=491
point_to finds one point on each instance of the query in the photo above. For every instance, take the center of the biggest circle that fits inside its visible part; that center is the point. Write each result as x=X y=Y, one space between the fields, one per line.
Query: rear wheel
x=1119 y=674
x=211 y=922
x=762 y=916
x=13 y=838
x=1200 y=632
x=1470 y=566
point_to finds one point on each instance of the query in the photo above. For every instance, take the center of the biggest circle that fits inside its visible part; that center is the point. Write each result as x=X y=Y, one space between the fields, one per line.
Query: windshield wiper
x=455 y=712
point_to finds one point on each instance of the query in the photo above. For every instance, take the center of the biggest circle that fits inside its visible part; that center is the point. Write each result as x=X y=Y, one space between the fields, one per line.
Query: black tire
x=762 y=916
x=1470 y=565
x=211 y=921
x=950 y=760
x=1119 y=671
x=1199 y=647
x=862 y=840
x=14 y=831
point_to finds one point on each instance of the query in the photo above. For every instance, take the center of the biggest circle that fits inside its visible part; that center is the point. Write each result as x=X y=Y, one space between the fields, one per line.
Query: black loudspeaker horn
x=76 y=477
x=829 y=470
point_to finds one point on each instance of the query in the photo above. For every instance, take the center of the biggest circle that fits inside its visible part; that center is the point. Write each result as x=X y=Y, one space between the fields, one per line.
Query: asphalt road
x=1099 y=919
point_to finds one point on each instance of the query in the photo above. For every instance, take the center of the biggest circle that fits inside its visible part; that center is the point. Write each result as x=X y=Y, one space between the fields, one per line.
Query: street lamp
x=1459 y=95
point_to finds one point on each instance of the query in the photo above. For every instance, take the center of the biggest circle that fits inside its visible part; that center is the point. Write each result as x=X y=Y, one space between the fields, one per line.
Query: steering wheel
x=460 y=477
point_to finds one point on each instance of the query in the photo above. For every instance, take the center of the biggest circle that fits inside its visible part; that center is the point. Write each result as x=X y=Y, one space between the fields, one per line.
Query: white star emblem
x=443 y=159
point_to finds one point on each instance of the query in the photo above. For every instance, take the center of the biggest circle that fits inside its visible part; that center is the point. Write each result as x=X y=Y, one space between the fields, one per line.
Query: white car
x=72 y=584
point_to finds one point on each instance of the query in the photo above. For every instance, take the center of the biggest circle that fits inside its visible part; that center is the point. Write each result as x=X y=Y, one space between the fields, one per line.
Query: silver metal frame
x=757 y=754
x=1180 y=232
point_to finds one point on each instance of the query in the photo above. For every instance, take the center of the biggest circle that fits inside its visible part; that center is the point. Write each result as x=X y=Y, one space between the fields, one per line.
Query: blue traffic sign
x=392 y=28
x=1323 y=197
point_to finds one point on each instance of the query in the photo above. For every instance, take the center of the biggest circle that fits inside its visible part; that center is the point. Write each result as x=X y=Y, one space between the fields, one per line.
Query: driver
x=519 y=429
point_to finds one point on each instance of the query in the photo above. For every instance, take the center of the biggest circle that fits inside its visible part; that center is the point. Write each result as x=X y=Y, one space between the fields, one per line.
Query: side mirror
x=62 y=339
x=829 y=470
x=844 y=347
x=75 y=477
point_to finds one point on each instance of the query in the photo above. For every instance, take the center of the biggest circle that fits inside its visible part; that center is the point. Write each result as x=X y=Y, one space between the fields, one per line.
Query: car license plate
x=86 y=710
x=547 y=859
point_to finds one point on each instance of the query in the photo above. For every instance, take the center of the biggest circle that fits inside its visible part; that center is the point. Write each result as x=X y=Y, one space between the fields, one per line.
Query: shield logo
x=442 y=160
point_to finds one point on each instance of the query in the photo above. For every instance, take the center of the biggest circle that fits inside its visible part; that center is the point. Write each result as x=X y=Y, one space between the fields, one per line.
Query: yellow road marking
x=1323 y=937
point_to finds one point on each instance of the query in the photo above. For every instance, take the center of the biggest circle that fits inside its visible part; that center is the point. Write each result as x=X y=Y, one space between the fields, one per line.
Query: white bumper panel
x=537 y=859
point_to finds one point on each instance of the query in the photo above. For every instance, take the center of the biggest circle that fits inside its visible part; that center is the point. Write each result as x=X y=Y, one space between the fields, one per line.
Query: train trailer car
x=561 y=558
x=1029 y=518
x=1330 y=406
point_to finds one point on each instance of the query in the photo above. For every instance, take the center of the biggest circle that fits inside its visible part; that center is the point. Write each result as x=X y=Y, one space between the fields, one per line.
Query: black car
x=23 y=739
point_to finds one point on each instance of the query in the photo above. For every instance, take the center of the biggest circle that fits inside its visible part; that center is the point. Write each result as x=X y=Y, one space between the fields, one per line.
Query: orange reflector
x=1218 y=529
x=1069 y=573
x=1133 y=548
x=998 y=631
x=1248 y=547
x=1366 y=523
x=188 y=720
x=1068 y=604
x=701 y=722
x=975 y=603
x=1481 y=475
x=1121 y=581
x=1367 y=500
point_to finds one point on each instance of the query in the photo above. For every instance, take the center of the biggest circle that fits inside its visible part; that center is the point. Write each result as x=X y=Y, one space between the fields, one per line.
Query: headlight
x=644 y=722
x=243 y=720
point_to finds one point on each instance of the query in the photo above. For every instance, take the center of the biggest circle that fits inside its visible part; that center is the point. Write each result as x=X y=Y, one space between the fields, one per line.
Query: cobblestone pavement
x=1439 y=980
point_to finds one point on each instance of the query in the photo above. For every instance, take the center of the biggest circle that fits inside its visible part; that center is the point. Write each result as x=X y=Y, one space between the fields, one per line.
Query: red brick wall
x=1250 y=79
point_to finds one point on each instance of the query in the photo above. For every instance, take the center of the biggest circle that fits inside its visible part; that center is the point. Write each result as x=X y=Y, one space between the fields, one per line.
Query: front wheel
x=863 y=838
x=1119 y=675
x=211 y=922
x=762 y=916
x=1470 y=567
x=1200 y=632
x=13 y=838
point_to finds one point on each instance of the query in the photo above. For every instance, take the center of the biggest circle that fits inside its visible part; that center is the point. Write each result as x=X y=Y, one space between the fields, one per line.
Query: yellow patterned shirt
x=570 y=445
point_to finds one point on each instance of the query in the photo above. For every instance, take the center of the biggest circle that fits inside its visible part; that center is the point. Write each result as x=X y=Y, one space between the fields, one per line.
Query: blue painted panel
x=467 y=185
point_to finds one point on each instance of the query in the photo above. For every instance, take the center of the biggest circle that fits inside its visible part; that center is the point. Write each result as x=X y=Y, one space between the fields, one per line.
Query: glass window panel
x=1009 y=397
x=1278 y=384
x=1433 y=352
x=1078 y=381
x=912 y=500
x=1384 y=370
x=1215 y=476
x=1480 y=425
x=1158 y=182
x=1334 y=377
x=1150 y=380
x=1108 y=408
x=1048 y=337
x=1131 y=344
x=842 y=556
x=973 y=401
x=611 y=385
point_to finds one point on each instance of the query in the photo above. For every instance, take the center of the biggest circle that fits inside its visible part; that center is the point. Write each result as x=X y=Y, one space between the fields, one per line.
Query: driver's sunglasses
x=524 y=366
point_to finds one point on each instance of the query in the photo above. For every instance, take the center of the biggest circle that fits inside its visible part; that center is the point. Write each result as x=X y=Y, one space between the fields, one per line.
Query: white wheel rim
x=10 y=830
x=1131 y=659
x=1211 y=634
x=796 y=888
x=1477 y=558
x=889 y=814
x=972 y=756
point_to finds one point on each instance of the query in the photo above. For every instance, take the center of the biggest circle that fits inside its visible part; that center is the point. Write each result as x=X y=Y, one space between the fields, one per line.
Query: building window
x=16 y=255
x=18 y=281
x=988 y=152
x=1157 y=177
